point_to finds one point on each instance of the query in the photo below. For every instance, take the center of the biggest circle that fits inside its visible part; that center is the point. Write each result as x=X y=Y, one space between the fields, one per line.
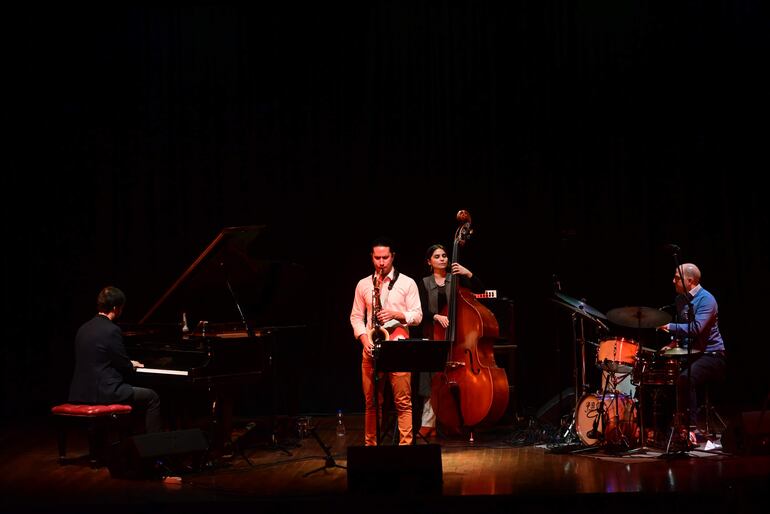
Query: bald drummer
x=696 y=326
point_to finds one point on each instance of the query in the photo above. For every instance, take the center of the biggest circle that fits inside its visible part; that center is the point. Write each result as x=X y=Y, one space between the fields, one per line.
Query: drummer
x=696 y=325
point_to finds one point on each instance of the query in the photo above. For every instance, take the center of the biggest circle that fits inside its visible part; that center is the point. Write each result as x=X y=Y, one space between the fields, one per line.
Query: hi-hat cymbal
x=638 y=317
x=679 y=352
x=579 y=306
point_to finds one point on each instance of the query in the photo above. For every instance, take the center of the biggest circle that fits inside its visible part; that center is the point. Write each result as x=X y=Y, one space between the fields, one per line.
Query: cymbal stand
x=640 y=393
x=578 y=343
x=682 y=441
x=622 y=438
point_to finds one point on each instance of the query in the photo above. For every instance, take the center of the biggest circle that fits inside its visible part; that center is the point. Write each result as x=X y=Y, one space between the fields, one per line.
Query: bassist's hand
x=441 y=320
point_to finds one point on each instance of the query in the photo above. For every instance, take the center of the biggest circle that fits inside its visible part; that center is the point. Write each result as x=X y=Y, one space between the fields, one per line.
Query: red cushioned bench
x=97 y=418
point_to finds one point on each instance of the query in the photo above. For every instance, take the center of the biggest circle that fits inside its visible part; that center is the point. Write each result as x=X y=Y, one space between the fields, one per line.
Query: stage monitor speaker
x=407 y=469
x=159 y=454
x=748 y=433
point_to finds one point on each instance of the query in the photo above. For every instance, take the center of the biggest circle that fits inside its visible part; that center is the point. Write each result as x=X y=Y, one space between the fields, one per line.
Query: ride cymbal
x=579 y=306
x=638 y=317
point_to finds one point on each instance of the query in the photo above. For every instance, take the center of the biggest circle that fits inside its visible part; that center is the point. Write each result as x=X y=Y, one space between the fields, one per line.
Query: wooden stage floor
x=500 y=472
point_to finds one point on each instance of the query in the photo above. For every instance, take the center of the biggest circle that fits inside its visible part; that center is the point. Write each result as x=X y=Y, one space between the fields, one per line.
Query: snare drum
x=660 y=371
x=617 y=355
x=664 y=372
x=618 y=424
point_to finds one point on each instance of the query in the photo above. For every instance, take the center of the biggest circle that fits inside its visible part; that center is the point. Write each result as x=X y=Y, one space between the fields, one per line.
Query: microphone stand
x=274 y=444
x=690 y=318
x=329 y=461
x=246 y=325
x=599 y=416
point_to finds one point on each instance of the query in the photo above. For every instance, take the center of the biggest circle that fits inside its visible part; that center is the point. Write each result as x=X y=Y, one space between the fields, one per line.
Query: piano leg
x=222 y=415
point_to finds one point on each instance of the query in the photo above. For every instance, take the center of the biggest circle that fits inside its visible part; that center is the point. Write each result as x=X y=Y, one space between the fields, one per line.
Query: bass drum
x=618 y=424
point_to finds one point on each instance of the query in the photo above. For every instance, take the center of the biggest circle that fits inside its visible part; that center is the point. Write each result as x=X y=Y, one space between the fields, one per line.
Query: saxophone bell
x=378 y=335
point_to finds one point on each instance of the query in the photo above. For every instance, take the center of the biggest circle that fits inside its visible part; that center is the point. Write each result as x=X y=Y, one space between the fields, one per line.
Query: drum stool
x=711 y=416
x=98 y=420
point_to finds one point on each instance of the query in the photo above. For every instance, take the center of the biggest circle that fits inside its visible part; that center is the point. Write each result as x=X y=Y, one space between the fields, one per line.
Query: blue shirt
x=705 y=329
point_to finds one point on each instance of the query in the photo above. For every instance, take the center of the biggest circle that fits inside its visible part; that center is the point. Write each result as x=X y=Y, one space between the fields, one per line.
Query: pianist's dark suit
x=102 y=368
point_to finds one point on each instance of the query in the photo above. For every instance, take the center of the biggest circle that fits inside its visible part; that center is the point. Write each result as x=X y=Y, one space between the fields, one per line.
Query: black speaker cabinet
x=408 y=469
x=748 y=433
x=159 y=454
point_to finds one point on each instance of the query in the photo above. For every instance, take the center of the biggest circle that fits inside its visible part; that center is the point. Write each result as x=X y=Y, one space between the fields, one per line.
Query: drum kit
x=638 y=383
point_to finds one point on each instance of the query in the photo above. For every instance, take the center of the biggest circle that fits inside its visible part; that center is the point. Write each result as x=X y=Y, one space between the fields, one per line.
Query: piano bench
x=98 y=419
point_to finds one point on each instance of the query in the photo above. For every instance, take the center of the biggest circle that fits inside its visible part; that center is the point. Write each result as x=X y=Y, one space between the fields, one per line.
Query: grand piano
x=218 y=329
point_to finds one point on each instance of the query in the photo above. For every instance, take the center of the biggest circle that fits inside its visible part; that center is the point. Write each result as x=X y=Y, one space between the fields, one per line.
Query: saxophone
x=377 y=333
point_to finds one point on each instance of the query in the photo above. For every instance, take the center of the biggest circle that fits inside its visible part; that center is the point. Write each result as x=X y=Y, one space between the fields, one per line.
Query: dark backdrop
x=581 y=136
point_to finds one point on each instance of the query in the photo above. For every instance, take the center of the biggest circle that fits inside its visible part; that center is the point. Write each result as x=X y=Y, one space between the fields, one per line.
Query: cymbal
x=638 y=317
x=679 y=352
x=579 y=306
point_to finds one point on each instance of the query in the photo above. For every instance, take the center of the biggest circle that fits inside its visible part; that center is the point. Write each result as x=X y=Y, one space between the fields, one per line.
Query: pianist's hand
x=441 y=320
x=137 y=364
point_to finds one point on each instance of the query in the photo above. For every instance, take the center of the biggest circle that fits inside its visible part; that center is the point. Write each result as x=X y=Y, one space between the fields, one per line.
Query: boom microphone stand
x=329 y=461
x=685 y=307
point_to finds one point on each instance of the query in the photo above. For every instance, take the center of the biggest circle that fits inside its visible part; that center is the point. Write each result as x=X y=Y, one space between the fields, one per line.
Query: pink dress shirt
x=404 y=297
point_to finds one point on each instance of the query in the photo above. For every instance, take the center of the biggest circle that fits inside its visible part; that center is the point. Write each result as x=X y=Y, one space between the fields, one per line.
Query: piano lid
x=234 y=270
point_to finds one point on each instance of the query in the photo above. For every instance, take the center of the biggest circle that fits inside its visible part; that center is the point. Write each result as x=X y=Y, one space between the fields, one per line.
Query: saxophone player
x=384 y=302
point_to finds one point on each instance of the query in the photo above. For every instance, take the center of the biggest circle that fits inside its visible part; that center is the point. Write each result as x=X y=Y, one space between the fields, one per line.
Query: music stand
x=407 y=355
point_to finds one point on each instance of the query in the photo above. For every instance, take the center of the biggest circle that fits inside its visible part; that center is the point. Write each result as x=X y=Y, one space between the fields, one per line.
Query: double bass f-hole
x=470 y=362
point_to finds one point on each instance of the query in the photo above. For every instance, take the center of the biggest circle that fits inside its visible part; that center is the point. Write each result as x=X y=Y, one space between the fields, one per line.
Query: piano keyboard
x=157 y=371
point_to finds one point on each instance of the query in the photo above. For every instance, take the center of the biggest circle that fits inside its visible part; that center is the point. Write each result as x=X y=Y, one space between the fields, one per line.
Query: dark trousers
x=706 y=369
x=148 y=401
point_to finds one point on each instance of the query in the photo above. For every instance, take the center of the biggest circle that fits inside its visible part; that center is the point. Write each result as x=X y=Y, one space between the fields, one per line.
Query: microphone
x=671 y=248
x=594 y=432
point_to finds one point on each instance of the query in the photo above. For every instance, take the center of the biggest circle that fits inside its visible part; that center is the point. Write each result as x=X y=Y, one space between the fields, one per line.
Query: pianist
x=102 y=367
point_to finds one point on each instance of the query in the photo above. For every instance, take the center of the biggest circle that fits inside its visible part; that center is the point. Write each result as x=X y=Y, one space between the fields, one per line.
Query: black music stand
x=407 y=355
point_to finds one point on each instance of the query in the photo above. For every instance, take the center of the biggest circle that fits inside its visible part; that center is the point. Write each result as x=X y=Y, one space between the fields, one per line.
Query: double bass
x=471 y=392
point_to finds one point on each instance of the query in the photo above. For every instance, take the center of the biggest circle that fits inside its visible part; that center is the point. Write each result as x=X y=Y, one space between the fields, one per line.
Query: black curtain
x=581 y=136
